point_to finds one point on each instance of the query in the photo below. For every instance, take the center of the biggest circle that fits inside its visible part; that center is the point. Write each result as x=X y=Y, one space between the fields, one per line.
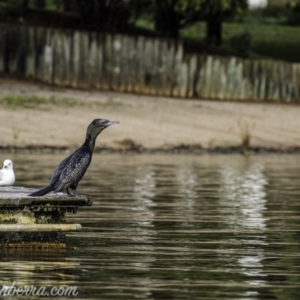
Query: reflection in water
x=30 y=266
x=143 y=192
x=243 y=197
x=242 y=201
x=143 y=232
x=173 y=227
x=187 y=181
x=144 y=188
x=252 y=264
x=143 y=216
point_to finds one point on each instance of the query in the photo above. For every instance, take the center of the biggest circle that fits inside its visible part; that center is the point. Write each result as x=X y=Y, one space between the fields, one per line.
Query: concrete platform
x=36 y=221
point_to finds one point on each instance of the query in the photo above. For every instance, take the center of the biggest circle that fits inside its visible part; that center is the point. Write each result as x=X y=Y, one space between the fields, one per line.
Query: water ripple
x=173 y=227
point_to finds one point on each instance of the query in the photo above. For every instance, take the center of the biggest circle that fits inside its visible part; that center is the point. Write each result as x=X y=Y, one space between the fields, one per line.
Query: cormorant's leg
x=73 y=193
x=68 y=192
x=74 y=187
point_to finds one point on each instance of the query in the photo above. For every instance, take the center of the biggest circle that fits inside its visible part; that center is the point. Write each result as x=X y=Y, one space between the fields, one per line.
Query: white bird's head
x=8 y=165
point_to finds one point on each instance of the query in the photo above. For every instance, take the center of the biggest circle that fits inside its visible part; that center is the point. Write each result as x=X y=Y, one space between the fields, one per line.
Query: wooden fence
x=143 y=65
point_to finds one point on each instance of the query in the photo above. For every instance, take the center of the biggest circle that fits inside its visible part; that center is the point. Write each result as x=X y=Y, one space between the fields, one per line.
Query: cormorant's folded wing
x=73 y=170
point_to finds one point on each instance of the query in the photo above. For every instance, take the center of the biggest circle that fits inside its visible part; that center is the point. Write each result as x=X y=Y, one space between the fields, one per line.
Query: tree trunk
x=25 y=4
x=214 y=31
x=67 y=7
x=166 y=22
x=38 y=3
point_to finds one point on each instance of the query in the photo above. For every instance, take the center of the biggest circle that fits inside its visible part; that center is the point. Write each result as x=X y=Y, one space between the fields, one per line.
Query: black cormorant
x=70 y=171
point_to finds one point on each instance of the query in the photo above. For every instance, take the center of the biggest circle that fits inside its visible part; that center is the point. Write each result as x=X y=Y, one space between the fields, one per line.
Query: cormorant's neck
x=90 y=142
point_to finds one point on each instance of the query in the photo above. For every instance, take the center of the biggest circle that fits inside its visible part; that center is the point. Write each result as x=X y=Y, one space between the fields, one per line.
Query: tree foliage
x=294 y=4
x=117 y=15
x=12 y=7
x=107 y=15
x=294 y=16
x=102 y=15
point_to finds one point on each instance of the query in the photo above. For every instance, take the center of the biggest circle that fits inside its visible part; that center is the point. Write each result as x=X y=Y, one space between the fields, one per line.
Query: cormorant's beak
x=108 y=123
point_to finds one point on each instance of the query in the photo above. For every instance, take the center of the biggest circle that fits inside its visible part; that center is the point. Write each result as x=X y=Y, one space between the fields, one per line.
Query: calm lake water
x=172 y=227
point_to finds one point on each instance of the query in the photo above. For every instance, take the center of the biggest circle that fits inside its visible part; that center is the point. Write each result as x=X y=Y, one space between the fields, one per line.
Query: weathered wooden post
x=36 y=221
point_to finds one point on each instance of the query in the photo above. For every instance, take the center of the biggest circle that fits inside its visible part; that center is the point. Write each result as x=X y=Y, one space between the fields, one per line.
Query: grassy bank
x=268 y=40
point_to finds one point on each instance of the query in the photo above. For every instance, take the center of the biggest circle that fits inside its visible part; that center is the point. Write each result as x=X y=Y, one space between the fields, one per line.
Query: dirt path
x=147 y=121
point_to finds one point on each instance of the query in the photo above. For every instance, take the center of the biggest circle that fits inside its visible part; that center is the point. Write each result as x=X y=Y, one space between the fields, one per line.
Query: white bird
x=7 y=175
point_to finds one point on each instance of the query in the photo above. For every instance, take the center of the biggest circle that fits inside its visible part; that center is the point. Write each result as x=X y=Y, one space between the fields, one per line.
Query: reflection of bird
x=69 y=172
x=7 y=175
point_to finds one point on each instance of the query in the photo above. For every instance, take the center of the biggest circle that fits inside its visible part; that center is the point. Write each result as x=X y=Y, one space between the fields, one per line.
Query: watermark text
x=42 y=291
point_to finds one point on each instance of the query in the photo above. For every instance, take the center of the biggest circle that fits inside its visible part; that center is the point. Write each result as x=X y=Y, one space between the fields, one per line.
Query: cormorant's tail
x=42 y=191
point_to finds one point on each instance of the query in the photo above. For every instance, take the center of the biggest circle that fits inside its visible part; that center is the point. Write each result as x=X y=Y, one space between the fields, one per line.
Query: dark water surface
x=172 y=227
